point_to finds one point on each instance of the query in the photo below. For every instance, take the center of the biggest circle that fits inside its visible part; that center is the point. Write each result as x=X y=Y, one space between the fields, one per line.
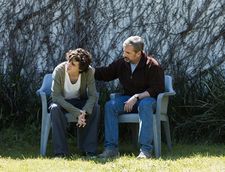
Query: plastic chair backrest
x=46 y=85
x=168 y=84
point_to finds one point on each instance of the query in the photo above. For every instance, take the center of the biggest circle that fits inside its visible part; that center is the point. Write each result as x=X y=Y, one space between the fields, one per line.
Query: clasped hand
x=81 y=119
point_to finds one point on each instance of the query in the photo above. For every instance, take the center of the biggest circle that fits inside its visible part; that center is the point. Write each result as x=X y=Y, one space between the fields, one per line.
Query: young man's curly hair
x=82 y=56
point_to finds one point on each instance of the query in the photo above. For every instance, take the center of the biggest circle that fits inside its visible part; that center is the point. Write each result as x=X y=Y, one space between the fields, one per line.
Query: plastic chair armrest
x=162 y=101
x=43 y=102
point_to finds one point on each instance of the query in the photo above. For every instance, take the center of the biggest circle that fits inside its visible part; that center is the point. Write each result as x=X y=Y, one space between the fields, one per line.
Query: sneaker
x=143 y=155
x=109 y=153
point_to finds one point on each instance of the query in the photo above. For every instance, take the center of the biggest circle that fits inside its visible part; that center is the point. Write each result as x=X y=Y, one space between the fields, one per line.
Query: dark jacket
x=144 y=78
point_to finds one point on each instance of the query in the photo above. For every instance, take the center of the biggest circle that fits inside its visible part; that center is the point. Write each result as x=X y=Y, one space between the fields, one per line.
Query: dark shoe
x=109 y=153
x=90 y=154
x=144 y=155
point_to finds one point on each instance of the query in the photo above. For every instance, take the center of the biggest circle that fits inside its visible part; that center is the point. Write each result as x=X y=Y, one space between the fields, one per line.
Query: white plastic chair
x=44 y=93
x=159 y=116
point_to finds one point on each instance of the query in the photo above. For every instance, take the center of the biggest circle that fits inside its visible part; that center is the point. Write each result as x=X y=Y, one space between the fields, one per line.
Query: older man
x=141 y=84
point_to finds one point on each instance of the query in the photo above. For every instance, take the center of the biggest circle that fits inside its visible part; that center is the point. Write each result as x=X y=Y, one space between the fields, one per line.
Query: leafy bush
x=197 y=111
x=18 y=102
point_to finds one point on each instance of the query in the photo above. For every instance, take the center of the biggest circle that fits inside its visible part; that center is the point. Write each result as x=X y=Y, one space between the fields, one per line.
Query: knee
x=54 y=108
x=147 y=104
x=110 y=104
x=110 y=107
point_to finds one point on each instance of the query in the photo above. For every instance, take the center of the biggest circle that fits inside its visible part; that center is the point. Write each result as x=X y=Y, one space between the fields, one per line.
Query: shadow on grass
x=25 y=145
x=26 y=151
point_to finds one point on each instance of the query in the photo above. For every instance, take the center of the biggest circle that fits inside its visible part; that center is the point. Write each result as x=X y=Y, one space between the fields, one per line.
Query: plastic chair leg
x=44 y=135
x=155 y=138
x=166 y=126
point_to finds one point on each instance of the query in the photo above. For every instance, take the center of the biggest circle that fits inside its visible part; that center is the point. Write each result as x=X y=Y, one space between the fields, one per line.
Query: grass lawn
x=16 y=154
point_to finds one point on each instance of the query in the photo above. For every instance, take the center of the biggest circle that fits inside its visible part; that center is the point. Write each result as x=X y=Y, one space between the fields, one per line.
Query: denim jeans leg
x=59 y=124
x=145 y=110
x=112 y=109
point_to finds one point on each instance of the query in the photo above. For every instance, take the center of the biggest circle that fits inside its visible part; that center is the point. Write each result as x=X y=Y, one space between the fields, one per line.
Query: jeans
x=115 y=107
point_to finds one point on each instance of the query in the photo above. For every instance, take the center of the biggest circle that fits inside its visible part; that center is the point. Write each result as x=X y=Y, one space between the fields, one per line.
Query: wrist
x=83 y=112
x=137 y=97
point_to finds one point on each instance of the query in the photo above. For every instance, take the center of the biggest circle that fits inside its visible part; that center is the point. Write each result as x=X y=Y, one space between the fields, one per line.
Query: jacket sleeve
x=108 y=73
x=91 y=92
x=57 y=93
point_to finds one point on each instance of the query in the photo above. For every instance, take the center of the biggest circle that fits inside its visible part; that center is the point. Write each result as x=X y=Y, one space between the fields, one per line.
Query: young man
x=74 y=91
x=141 y=84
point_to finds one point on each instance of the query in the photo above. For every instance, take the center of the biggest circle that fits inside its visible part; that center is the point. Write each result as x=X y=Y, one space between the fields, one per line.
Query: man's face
x=130 y=55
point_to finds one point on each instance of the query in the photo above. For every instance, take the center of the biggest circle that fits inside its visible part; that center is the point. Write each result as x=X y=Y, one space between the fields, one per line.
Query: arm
x=107 y=73
x=131 y=102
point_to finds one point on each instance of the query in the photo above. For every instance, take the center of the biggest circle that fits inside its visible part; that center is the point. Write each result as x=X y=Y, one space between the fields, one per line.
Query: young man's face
x=130 y=55
x=72 y=66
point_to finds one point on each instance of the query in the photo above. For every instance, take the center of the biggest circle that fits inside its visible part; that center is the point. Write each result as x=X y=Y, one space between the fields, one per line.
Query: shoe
x=90 y=154
x=109 y=153
x=144 y=155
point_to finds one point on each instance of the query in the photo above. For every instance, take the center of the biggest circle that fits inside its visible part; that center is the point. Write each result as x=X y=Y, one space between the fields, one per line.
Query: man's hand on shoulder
x=151 y=61
x=93 y=70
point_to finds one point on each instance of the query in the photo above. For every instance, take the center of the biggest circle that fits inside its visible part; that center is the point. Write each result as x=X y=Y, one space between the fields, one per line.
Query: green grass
x=21 y=154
